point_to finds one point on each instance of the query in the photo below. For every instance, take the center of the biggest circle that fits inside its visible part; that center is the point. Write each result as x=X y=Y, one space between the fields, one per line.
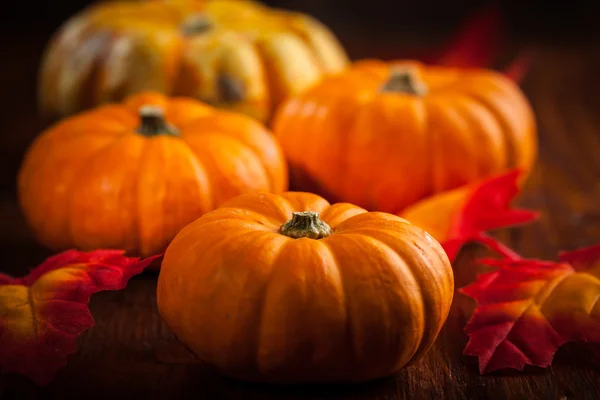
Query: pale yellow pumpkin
x=235 y=54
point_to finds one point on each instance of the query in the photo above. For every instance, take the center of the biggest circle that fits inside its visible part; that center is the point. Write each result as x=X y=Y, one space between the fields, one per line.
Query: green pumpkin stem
x=306 y=224
x=403 y=80
x=196 y=25
x=152 y=122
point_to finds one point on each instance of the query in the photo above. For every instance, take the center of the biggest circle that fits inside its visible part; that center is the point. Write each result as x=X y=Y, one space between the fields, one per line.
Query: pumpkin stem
x=404 y=80
x=306 y=224
x=196 y=25
x=153 y=122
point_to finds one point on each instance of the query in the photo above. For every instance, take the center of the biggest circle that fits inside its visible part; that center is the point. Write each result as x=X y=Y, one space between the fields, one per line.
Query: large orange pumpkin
x=130 y=176
x=384 y=135
x=235 y=54
x=290 y=289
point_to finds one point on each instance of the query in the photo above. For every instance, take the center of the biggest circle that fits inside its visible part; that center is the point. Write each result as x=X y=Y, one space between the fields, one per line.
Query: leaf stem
x=498 y=247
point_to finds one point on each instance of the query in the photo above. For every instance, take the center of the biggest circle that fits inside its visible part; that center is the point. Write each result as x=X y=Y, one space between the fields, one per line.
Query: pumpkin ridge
x=269 y=78
x=260 y=326
x=321 y=265
x=76 y=182
x=178 y=319
x=304 y=39
x=384 y=235
x=141 y=226
x=29 y=174
x=278 y=208
x=467 y=143
x=200 y=177
x=268 y=174
x=73 y=183
x=369 y=225
x=292 y=122
x=277 y=70
x=422 y=303
x=312 y=37
x=137 y=212
x=437 y=113
x=61 y=130
x=145 y=232
x=349 y=332
x=345 y=209
x=251 y=223
x=346 y=181
x=423 y=347
x=344 y=161
x=209 y=179
x=511 y=155
x=66 y=100
x=482 y=135
x=87 y=93
x=253 y=239
x=303 y=201
x=373 y=186
x=233 y=90
x=387 y=311
x=199 y=167
x=32 y=160
x=275 y=224
x=214 y=164
x=428 y=155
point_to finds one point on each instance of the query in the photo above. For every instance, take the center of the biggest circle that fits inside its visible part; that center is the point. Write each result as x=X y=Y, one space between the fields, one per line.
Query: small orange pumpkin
x=131 y=175
x=384 y=136
x=290 y=289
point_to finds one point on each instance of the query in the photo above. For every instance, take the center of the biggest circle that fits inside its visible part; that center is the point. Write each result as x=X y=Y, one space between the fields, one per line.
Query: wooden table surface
x=130 y=352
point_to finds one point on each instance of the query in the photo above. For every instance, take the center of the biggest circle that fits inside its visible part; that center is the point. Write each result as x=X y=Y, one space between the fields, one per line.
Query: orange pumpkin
x=131 y=175
x=385 y=135
x=290 y=289
x=234 y=54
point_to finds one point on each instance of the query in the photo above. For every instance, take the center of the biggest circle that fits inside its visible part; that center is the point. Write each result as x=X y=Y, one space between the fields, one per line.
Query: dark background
x=130 y=353
x=536 y=19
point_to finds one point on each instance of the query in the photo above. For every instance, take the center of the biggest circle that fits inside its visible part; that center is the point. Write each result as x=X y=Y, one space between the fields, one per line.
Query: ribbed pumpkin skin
x=92 y=181
x=348 y=140
x=260 y=306
x=242 y=55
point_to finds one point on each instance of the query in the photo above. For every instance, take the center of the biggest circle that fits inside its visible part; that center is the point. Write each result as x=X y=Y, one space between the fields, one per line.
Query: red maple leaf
x=477 y=44
x=43 y=313
x=465 y=214
x=527 y=309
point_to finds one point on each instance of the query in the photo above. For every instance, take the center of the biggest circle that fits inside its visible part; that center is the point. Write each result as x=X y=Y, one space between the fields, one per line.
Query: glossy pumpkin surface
x=385 y=135
x=235 y=54
x=130 y=176
x=290 y=289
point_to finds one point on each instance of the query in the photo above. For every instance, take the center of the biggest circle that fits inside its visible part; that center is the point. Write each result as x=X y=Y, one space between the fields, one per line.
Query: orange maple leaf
x=465 y=214
x=43 y=313
x=527 y=309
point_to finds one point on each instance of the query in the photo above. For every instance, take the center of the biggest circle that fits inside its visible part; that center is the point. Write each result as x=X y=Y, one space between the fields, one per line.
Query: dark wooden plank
x=130 y=352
